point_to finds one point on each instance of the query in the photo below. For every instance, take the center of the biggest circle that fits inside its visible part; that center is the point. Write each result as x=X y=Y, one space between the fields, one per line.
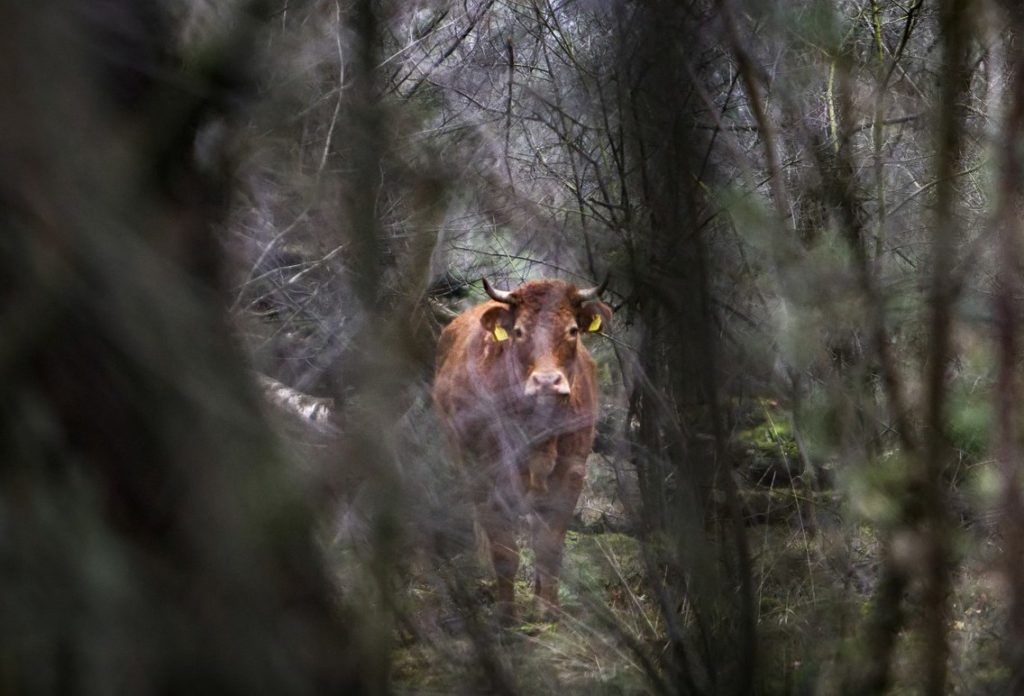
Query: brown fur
x=523 y=454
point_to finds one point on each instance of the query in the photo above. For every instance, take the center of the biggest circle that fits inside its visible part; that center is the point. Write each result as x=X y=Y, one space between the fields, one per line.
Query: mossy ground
x=583 y=652
x=813 y=596
x=814 y=568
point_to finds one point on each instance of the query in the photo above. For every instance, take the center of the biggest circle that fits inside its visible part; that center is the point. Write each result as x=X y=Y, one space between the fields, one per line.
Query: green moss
x=604 y=557
x=877 y=492
x=537 y=628
x=970 y=419
x=416 y=667
x=773 y=434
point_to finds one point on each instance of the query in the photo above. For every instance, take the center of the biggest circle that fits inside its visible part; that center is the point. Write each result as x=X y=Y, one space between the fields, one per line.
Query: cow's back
x=466 y=392
x=459 y=355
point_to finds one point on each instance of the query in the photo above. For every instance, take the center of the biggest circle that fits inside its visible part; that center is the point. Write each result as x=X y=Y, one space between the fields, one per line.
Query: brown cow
x=517 y=390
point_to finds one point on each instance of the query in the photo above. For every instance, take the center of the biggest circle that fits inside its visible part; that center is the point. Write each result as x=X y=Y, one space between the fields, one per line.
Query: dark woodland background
x=232 y=231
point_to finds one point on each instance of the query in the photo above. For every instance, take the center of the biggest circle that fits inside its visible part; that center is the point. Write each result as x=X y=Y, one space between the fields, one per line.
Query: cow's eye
x=519 y=332
x=573 y=331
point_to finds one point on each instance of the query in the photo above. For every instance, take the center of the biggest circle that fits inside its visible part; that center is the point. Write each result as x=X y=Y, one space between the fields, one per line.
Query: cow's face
x=539 y=326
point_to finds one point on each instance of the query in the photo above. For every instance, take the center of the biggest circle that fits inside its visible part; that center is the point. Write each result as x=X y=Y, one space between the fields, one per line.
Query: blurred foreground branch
x=152 y=541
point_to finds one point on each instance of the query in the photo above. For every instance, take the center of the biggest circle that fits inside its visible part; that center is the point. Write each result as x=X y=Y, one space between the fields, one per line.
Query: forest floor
x=814 y=570
x=805 y=600
x=586 y=651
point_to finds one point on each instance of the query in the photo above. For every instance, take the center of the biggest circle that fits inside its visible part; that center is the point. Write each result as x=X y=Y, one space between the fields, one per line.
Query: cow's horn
x=498 y=295
x=594 y=292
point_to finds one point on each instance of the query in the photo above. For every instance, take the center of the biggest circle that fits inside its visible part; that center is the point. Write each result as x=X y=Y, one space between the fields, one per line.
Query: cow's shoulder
x=463 y=346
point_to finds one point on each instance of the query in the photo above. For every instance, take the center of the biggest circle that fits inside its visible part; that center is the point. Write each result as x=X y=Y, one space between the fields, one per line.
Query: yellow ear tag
x=500 y=334
x=595 y=324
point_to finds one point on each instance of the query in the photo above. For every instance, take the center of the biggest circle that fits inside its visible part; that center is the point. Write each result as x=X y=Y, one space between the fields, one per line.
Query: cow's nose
x=550 y=382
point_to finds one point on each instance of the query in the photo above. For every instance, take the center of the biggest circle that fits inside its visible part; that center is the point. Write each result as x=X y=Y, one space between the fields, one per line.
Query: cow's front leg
x=500 y=528
x=550 y=522
x=540 y=465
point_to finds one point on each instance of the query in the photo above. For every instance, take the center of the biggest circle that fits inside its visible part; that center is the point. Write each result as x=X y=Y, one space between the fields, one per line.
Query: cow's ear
x=594 y=316
x=498 y=322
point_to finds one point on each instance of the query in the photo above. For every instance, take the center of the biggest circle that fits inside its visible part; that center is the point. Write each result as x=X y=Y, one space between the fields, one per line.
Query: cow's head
x=539 y=324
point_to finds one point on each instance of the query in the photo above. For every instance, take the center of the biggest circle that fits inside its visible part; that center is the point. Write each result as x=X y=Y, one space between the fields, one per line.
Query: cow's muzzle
x=547 y=383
